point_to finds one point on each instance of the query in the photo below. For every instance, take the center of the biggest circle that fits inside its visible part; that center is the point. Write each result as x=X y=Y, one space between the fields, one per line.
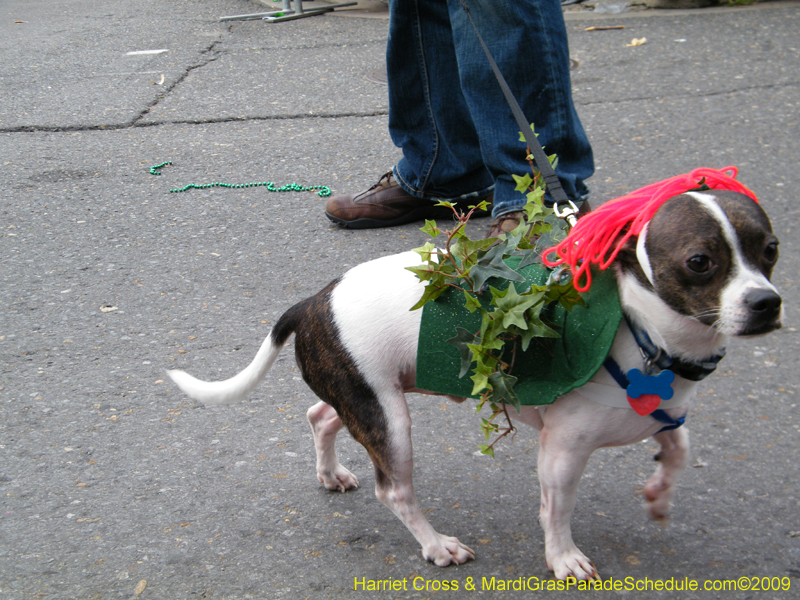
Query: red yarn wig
x=598 y=237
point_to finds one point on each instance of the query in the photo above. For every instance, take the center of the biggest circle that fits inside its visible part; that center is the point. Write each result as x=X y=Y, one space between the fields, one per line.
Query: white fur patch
x=677 y=334
x=641 y=254
x=371 y=306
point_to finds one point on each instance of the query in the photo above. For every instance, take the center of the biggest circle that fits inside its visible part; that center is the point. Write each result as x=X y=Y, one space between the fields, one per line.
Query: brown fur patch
x=332 y=374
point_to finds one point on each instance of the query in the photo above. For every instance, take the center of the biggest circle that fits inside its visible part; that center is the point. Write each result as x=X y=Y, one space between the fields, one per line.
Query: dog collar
x=657 y=358
x=645 y=390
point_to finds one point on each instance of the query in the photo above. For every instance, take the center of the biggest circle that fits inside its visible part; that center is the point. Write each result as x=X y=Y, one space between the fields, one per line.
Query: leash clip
x=650 y=362
x=569 y=214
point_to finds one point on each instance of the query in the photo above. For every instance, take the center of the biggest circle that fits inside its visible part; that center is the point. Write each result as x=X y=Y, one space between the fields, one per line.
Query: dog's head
x=709 y=256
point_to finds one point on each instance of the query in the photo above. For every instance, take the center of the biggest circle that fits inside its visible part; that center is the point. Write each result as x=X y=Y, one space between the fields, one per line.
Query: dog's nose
x=763 y=302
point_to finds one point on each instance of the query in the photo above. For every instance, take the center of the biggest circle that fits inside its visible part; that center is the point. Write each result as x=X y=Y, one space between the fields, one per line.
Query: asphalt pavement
x=114 y=485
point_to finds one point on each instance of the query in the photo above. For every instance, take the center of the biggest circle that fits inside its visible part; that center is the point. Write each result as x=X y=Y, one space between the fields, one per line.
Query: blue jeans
x=446 y=109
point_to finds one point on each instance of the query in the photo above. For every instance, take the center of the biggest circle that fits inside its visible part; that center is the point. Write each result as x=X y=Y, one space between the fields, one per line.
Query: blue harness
x=656 y=358
x=659 y=415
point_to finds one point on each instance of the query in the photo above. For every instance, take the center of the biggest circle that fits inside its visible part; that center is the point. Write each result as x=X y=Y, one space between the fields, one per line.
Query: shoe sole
x=419 y=214
x=409 y=217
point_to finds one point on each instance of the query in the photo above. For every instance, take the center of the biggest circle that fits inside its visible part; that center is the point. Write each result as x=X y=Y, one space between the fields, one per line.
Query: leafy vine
x=510 y=318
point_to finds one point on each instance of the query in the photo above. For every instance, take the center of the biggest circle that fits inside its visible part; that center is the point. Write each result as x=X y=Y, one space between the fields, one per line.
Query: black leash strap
x=540 y=158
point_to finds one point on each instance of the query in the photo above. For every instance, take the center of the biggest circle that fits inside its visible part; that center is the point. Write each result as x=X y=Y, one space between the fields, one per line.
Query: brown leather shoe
x=505 y=223
x=508 y=222
x=385 y=204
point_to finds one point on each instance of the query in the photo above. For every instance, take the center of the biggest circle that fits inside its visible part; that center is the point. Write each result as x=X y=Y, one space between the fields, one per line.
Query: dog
x=697 y=275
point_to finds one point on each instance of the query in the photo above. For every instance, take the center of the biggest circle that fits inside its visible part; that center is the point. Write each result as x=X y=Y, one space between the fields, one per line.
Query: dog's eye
x=771 y=252
x=699 y=263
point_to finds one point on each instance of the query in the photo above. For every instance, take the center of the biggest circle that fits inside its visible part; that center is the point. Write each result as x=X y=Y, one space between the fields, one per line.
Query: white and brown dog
x=698 y=274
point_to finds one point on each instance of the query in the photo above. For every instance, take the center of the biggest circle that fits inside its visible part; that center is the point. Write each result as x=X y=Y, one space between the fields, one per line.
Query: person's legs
x=448 y=115
x=429 y=118
x=528 y=40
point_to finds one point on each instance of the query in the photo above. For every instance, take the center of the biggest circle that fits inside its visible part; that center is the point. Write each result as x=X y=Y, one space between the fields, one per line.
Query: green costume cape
x=551 y=367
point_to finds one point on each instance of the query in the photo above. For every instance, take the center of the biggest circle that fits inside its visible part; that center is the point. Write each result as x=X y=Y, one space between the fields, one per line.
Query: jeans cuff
x=460 y=198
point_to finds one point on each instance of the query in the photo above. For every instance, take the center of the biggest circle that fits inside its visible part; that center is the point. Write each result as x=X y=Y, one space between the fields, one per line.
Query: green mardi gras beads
x=322 y=190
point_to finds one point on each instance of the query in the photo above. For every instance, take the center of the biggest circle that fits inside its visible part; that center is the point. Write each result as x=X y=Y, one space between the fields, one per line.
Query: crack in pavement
x=130 y=125
x=211 y=55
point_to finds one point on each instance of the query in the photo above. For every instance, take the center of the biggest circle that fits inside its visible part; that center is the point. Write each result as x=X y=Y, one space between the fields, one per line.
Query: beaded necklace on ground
x=322 y=190
x=156 y=169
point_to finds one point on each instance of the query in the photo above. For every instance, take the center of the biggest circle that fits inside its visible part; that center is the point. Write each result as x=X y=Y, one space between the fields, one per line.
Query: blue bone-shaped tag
x=658 y=385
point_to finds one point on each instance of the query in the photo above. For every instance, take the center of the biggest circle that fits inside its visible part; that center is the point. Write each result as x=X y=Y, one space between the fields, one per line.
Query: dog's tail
x=238 y=386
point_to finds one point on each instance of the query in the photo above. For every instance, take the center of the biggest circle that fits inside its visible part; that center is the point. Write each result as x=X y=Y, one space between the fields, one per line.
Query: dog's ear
x=627 y=253
x=627 y=260
x=628 y=250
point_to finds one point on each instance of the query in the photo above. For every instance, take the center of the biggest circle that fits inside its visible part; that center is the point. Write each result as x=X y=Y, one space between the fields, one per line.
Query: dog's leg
x=394 y=487
x=561 y=464
x=671 y=459
x=325 y=424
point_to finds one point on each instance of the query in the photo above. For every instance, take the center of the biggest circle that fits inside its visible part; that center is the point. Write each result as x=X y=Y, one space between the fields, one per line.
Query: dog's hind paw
x=447 y=551
x=572 y=563
x=338 y=479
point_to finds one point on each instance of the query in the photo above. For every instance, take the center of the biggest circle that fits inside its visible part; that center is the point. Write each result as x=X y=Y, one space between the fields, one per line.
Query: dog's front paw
x=447 y=550
x=658 y=493
x=338 y=479
x=572 y=563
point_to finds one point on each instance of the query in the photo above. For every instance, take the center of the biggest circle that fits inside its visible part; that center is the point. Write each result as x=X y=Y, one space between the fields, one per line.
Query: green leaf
x=492 y=328
x=488 y=428
x=486 y=449
x=484 y=359
x=482 y=205
x=553 y=235
x=535 y=210
x=462 y=341
x=424 y=272
x=492 y=265
x=482 y=370
x=471 y=302
x=480 y=383
x=529 y=257
x=513 y=238
x=523 y=183
x=560 y=289
x=427 y=251
x=526 y=337
x=458 y=233
x=467 y=250
x=432 y=292
x=514 y=306
x=539 y=229
x=537 y=328
x=522 y=137
x=431 y=229
x=561 y=277
x=503 y=389
x=535 y=196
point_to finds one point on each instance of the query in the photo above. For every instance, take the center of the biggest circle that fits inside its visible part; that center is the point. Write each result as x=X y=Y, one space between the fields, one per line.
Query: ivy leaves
x=491 y=265
x=511 y=316
x=510 y=320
